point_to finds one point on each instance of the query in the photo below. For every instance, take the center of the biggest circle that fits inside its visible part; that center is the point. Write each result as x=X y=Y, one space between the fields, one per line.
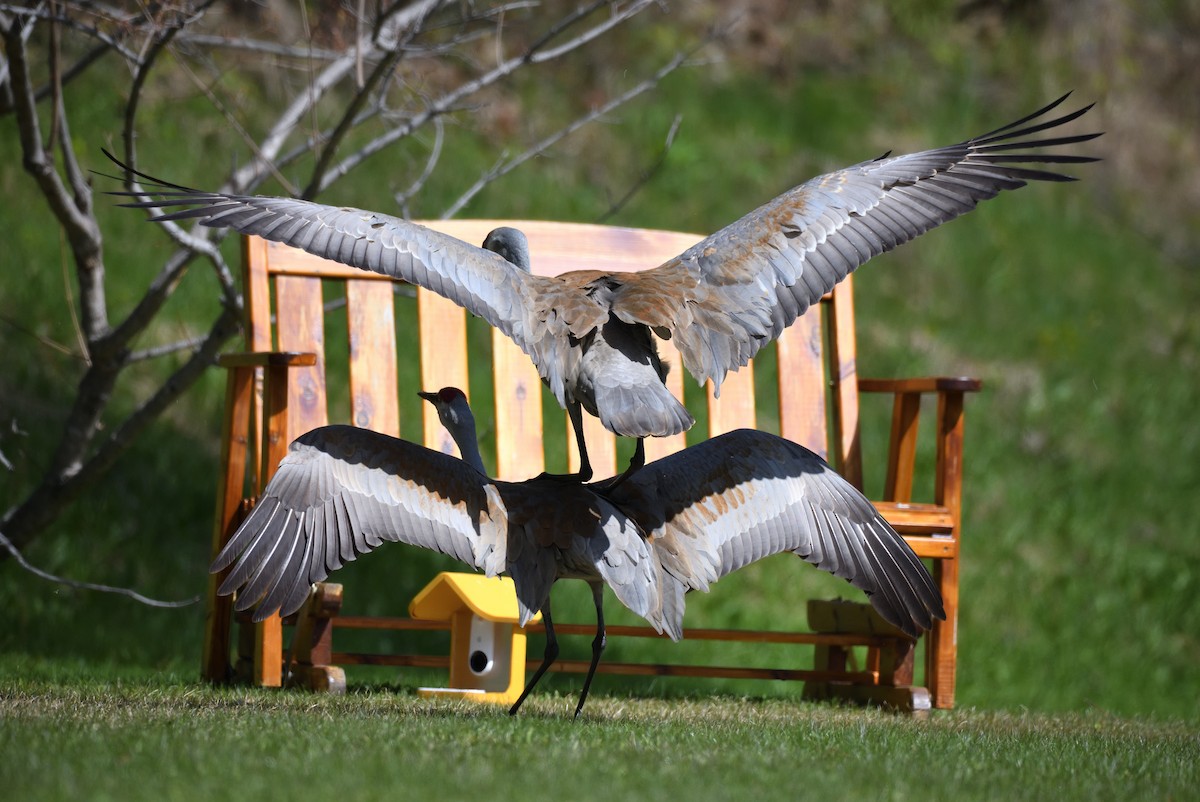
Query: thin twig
x=537 y=56
x=237 y=126
x=72 y=583
x=165 y=350
x=81 y=340
x=647 y=174
x=156 y=45
x=435 y=153
x=347 y=122
x=47 y=15
x=258 y=46
x=56 y=108
x=452 y=98
x=46 y=341
x=504 y=167
x=244 y=179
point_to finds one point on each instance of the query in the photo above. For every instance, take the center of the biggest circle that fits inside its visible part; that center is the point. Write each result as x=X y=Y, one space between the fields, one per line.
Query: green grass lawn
x=1081 y=561
x=163 y=738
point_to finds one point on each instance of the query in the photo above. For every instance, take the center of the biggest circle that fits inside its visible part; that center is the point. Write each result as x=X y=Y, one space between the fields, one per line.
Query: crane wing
x=341 y=492
x=729 y=295
x=482 y=282
x=731 y=500
x=623 y=558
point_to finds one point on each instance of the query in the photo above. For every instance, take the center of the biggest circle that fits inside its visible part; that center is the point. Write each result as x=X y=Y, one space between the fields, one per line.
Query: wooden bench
x=277 y=391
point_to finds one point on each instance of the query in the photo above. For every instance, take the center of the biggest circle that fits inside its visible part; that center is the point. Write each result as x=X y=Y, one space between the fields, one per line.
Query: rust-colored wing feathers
x=341 y=492
x=721 y=300
x=738 y=289
x=680 y=523
x=729 y=501
x=480 y=281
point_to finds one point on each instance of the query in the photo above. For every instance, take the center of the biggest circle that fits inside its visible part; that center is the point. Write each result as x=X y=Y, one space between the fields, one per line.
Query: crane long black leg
x=584 y=474
x=548 y=657
x=597 y=645
x=575 y=413
x=636 y=463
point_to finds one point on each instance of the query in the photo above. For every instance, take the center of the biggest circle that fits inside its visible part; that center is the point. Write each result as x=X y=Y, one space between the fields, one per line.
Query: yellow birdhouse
x=487 y=648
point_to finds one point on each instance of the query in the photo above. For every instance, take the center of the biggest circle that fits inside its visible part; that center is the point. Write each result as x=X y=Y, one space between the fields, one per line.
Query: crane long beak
x=430 y=397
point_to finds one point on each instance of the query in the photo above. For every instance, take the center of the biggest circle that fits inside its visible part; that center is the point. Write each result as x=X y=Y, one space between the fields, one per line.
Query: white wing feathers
x=729 y=501
x=341 y=492
x=681 y=523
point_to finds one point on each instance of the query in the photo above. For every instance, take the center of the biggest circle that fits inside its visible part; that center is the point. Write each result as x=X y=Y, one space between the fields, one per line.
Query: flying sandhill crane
x=679 y=524
x=590 y=333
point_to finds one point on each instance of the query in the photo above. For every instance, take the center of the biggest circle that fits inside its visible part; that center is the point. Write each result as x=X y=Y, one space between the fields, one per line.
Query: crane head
x=452 y=407
x=455 y=414
x=510 y=243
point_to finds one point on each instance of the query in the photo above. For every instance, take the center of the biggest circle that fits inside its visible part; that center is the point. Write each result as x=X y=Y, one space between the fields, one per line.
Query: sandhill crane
x=679 y=524
x=590 y=333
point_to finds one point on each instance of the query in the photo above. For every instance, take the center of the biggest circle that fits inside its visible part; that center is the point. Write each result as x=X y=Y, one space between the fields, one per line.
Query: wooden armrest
x=930 y=384
x=907 y=517
x=902 y=445
x=263 y=359
x=928 y=529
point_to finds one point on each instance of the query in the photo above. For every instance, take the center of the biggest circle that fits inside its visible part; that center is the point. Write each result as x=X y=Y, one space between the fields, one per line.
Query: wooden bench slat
x=303 y=329
x=802 y=404
x=442 y=331
x=371 y=319
x=519 y=453
x=735 y=408
x=601 y=445
x=844 y=380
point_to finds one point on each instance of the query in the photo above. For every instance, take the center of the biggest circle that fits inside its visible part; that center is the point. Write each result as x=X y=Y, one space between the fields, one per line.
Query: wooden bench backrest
x=816 y=385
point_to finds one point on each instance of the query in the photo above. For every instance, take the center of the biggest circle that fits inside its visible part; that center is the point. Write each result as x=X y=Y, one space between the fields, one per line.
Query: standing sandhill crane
x=590 y=333
x=679 y=524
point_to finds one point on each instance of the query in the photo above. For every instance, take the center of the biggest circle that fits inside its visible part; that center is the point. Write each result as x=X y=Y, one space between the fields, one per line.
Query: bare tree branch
x=78 y=225
x=210 y=41
x=365 y=87
x=144 y=65
x=394 y=20
x=647 y=174
x=48 y=498
x=133 y=594
x=46 y=341
x=164 y=350
x=48 y=15
x=448 y=101
x=507 y=166
x=587 y=36
x=418 y=184
x=419 y=63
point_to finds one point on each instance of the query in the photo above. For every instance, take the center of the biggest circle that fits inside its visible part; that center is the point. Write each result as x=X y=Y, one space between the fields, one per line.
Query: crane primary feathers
x=679 y=524
x=591 y=333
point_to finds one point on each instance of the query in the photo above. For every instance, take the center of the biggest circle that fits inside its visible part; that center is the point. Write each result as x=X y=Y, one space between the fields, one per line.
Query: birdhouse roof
x=490 y=598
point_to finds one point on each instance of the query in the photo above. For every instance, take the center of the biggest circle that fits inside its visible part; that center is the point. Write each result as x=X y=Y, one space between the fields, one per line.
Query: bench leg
x=893 y=661
x=313 y=642
x=942 y=644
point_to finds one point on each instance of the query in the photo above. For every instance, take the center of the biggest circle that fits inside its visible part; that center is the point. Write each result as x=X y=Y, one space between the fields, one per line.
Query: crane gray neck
x=462 y=429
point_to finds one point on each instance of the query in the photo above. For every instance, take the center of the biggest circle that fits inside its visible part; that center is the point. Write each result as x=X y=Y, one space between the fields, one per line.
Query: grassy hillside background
x=1075 y=304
